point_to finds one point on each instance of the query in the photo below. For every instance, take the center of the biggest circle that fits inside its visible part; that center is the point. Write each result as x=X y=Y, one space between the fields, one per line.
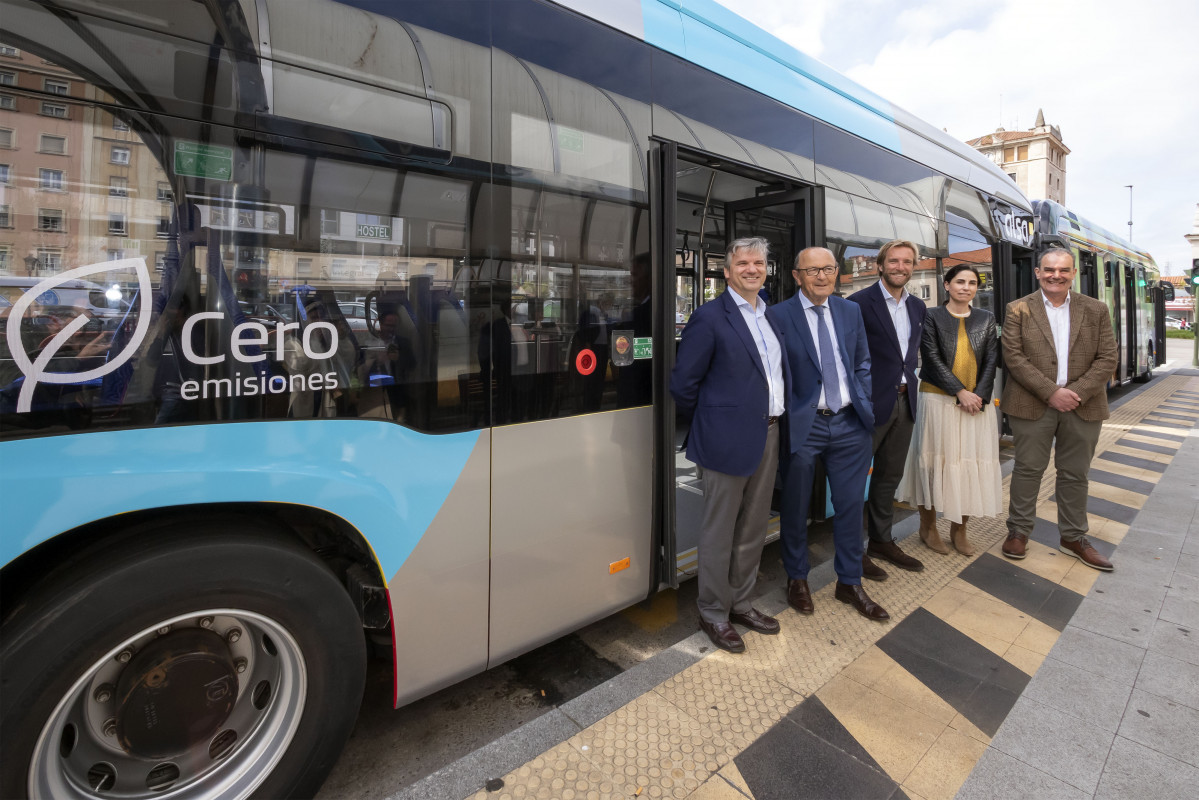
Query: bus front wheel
x=189 y=665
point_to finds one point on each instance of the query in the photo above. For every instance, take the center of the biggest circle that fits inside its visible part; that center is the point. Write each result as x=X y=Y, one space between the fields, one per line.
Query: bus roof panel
x=711 y=36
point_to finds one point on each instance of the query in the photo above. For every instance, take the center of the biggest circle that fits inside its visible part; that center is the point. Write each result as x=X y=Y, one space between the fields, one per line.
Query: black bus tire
x=85 y=657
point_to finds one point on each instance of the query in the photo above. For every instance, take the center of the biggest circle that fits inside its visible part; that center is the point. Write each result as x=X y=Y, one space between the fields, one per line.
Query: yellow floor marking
x=1024 y=659
x=1139 y=437
x=1080 y=578
x=1037 y=637
x=894 y=735
x=965 y=726
x=1160 y=458
x=946 y=765
x=989 y=621
x=1125 y=497
x=1046 y=562
x=716 y=788
x=733 y=776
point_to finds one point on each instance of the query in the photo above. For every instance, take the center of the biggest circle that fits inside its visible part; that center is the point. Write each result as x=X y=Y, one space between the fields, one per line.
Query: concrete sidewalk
x=1113 y=710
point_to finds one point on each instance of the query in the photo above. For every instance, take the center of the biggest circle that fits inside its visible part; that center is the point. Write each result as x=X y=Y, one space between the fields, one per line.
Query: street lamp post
x=1129 y=188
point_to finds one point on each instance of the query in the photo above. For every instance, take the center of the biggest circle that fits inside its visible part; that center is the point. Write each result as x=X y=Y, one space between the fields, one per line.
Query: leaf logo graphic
x=35 y=371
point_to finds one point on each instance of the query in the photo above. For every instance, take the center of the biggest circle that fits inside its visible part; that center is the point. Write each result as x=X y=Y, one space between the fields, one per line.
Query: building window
x=8 y=102
x=8 y=78
x=160 y=260
x=50 y=219
x=56 y=110
x=118 y=187
x=925 y=293
x=5 y=216
x=116 y=225
x=303 y=267
x=116 y=255
x=1009 y=154
x=5 y=138
x=50 y=179
x=328 y=222
x=120 y=155
x=50 y=260
x=56 y=87
x=164 y=227
x=54 y=145
x=119 y=124
x=164 y=192
x=10 y=51
x=1012 y=175
x=1022 y=153
x=5 y=259
x=5 y=173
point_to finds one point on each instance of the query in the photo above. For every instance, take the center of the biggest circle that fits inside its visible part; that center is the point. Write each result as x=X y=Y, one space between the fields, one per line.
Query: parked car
x=1176 y=323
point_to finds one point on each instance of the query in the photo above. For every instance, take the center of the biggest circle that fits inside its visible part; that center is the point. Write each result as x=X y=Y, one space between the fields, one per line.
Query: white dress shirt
x=1059 y=323
x=898 y=309
x=842 y=375
x=769 y=350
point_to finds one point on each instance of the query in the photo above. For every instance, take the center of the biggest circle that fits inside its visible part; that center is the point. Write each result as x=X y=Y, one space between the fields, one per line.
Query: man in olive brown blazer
x=1059 y=354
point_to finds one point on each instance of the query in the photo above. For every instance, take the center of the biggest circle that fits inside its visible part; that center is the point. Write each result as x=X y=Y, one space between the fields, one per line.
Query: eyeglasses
x=812 y=272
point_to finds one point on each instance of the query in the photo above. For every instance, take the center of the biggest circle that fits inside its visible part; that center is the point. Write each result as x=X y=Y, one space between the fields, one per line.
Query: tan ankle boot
x=929 y=533
x=957 y=535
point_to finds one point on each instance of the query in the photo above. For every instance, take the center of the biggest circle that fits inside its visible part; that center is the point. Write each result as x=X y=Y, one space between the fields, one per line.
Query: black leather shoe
x=723 y=635
x=889 y=551
x=872 y=571
x=856 y=596
x=800 y=596
x=755 y=620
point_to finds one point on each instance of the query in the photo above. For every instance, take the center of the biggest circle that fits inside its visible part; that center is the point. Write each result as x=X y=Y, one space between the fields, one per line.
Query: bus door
x=1131 y=306
x=1115 y=286
x=714 y=204
x=1088 y=279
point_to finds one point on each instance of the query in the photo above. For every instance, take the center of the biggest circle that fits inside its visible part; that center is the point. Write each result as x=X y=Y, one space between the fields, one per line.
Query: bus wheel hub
x=176 y=693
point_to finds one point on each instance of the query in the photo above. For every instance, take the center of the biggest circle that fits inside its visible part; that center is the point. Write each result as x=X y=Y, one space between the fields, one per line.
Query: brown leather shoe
x=872 y=571
x=723 y=635
x=889 y=551
x=1015 y=546
x=799 y=596
x=755 y=620
x=1084 y=552
x=856 y=596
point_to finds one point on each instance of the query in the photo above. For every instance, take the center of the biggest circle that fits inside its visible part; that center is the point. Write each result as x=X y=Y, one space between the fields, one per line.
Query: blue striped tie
x=828 y=363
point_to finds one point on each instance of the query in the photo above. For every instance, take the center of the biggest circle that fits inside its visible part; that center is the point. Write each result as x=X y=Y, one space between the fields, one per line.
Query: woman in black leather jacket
x=953 y=464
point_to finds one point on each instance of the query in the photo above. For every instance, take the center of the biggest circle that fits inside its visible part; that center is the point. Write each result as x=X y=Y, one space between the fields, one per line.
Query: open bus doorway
x=713 y=204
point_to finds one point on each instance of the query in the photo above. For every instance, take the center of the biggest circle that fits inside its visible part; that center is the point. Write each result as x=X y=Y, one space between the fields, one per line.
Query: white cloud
x=1119 y=80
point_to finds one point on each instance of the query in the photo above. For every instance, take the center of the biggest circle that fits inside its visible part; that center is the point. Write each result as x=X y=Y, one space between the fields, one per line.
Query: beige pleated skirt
x=953 y=464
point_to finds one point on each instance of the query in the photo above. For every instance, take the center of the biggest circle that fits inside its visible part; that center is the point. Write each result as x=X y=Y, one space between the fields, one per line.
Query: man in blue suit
x=893 y=321
x=829 y=416
x=730 y=379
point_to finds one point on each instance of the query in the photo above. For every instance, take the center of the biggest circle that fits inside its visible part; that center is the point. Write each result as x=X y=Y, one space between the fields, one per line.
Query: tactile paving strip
x=673 y=740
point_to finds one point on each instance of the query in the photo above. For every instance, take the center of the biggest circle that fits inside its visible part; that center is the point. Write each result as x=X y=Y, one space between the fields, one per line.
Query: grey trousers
x=892 y=438
x=1073 y=441
x=733 y=534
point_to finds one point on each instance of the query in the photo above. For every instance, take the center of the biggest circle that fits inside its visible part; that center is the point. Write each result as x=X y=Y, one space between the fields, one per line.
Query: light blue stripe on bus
x=708 y=34
x=385 y=480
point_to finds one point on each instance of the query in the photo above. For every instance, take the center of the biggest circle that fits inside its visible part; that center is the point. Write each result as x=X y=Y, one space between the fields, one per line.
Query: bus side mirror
x=1167 y=291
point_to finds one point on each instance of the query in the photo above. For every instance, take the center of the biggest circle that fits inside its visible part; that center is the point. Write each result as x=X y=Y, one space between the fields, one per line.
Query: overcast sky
x=1119 y=78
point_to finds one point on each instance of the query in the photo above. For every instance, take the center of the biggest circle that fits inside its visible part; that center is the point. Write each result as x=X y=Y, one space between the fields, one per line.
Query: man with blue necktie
x=730 y=378
x=830 y=417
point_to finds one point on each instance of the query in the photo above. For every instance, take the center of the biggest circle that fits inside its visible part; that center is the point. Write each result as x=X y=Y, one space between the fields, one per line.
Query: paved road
x=391 y=749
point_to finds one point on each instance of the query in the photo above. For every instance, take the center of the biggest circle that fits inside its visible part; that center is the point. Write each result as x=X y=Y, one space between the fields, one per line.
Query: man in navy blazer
x=730 y=379
x=830 y=417
x=893 y=321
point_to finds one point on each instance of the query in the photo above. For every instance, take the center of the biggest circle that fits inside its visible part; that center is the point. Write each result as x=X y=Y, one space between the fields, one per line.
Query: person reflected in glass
x=953 y=465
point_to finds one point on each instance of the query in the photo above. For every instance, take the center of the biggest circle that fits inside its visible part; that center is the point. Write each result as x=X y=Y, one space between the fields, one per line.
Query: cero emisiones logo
x=35 y=370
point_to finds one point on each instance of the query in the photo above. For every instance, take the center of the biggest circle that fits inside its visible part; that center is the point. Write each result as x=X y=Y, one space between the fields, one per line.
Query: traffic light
x=1193 y=278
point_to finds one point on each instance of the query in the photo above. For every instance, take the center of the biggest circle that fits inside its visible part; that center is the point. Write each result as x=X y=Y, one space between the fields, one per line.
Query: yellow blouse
x=965 y=367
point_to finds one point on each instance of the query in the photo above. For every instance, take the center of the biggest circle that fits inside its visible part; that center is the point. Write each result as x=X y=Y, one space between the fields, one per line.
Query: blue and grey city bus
x=393 y=288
